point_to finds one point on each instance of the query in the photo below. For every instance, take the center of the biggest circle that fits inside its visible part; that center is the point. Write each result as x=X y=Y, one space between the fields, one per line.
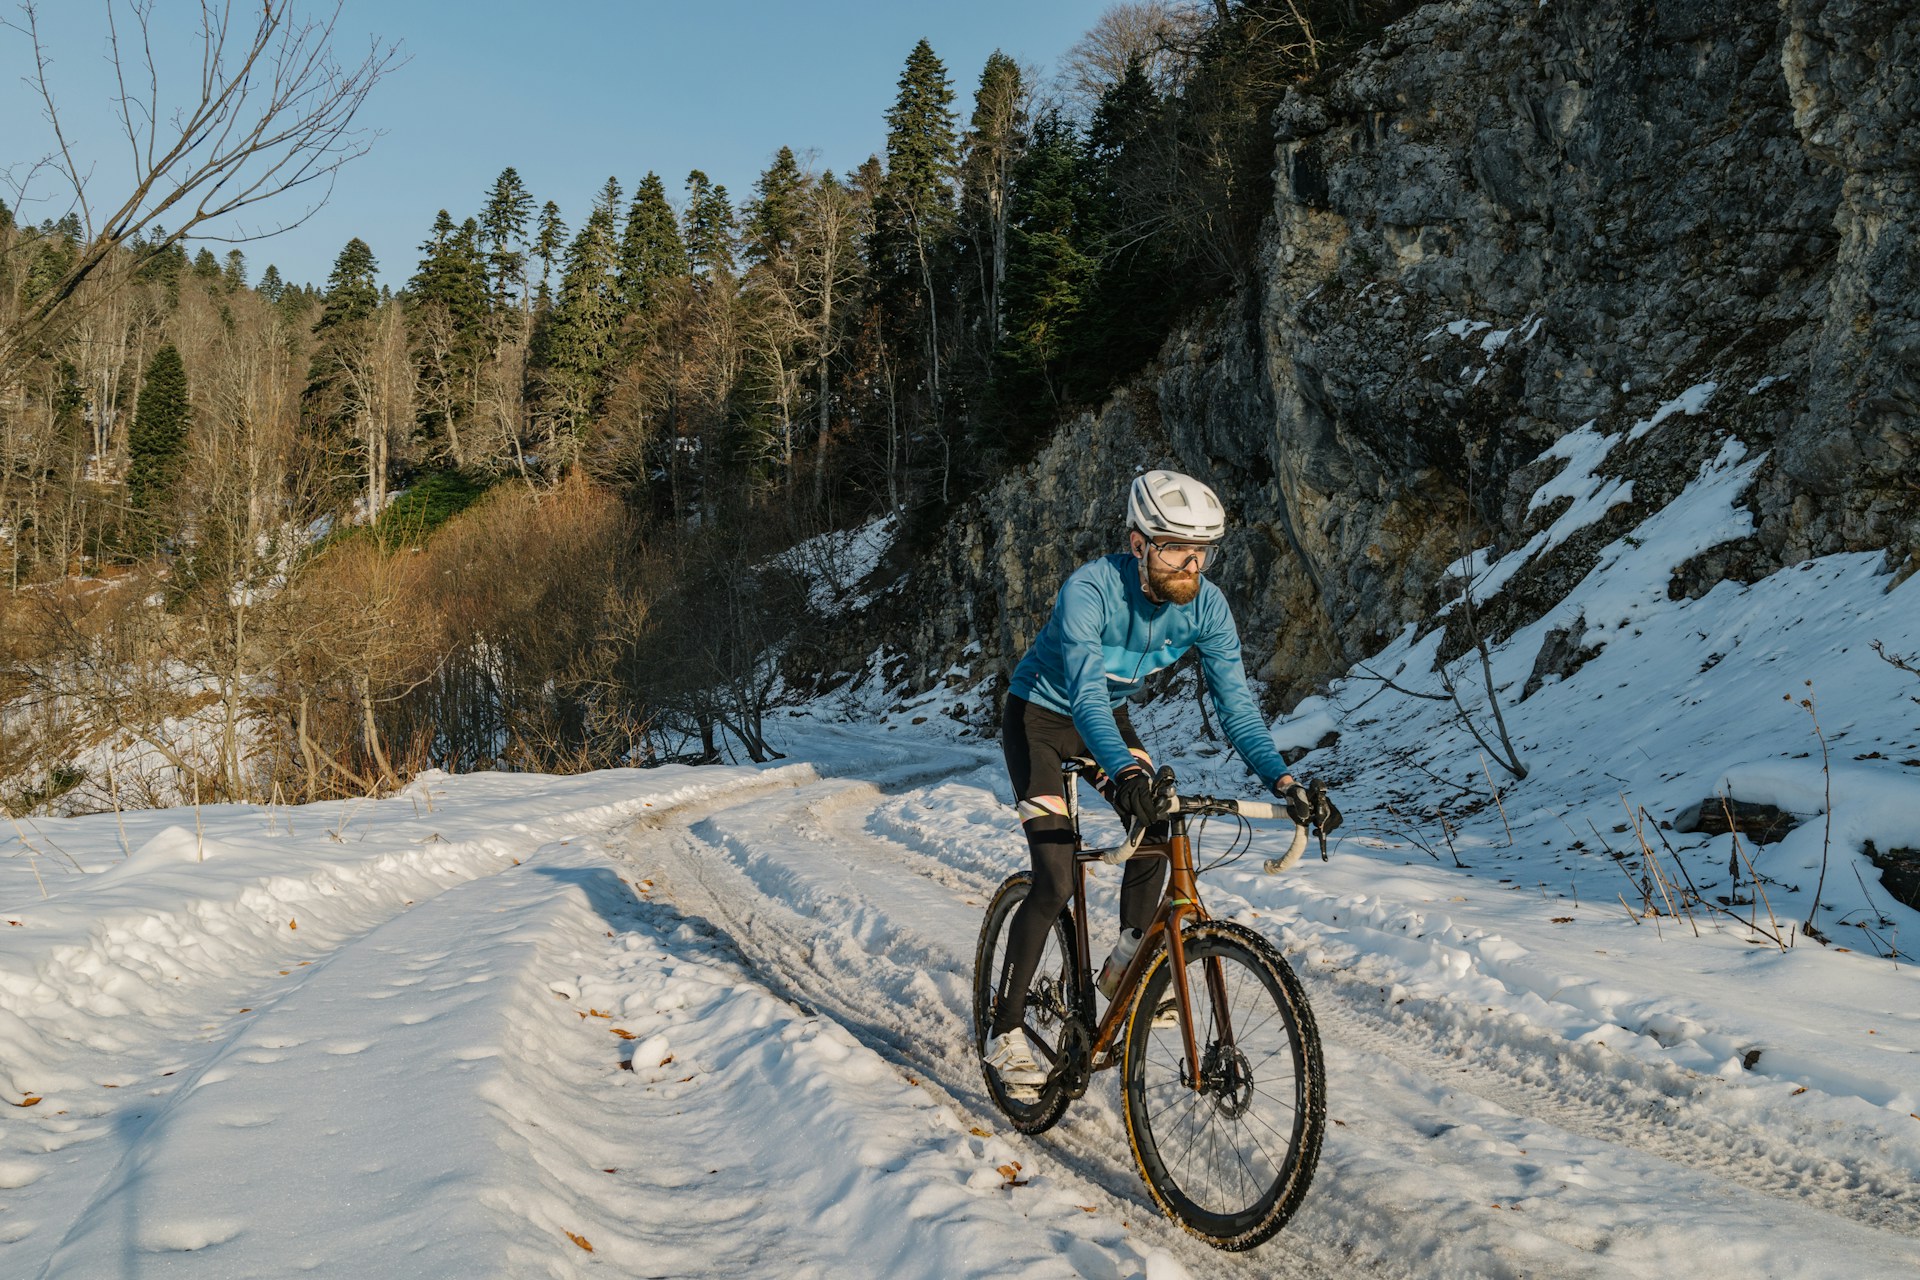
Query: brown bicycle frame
x=1180 y=901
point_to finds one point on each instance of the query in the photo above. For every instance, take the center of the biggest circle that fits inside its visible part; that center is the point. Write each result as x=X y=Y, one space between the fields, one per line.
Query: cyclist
x=1115 y=622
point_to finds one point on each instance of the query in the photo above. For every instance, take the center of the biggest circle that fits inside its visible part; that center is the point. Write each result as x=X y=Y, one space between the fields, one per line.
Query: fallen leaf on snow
x=1563 y=920
x=1011 y=1172
x=579 y=1240
x=28 y=1101
x=622 y=1032
x=293 y=924
x=978 y=1132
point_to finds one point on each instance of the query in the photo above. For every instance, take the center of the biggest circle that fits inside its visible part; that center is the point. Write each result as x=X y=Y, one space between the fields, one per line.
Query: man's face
x=1173 y=568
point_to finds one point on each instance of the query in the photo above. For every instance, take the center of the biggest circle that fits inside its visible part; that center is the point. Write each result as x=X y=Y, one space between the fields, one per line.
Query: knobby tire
x=1049 y=1004
x=1229 y=1166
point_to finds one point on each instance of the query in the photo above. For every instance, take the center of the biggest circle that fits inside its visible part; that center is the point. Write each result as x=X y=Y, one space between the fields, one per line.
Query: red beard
x=1177 y=586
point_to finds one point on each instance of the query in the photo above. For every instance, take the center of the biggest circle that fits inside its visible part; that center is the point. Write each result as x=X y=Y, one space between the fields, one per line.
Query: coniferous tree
x=1140 y=284
x=335 y=395
x=271 y=286
x=994 y=144
x=157 y=443
x=503 y=226
x=711 y=229
x=548 y=241
x=773 y=215
x=353 y=291
x=234 y=274
x=1050 y=273
x=449 y=320
x=652 y=254
x=913 y=227
x=573 y=345
x=205 y=265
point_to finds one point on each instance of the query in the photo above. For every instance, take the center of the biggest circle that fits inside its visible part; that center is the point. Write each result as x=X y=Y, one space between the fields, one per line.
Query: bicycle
x=1225 y=1089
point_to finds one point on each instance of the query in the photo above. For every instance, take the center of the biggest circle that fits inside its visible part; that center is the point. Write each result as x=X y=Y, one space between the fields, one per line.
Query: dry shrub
x=529 y=591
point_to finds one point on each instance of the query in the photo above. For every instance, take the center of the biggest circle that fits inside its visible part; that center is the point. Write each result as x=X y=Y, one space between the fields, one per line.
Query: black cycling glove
x=1134 y=796
x=1299 y=804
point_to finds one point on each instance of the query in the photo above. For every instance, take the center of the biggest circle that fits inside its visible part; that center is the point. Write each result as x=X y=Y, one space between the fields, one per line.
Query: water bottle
x=1117 y=962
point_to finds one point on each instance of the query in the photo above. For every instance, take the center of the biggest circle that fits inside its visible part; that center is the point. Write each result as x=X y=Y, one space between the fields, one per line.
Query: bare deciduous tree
x=269 y=112
x=1159 y=33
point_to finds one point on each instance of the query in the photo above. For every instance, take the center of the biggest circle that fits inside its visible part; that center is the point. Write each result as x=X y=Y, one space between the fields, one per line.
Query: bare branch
x=273 y=112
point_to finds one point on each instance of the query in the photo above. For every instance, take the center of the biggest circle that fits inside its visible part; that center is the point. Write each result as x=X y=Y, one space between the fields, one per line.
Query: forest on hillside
x=277 y=538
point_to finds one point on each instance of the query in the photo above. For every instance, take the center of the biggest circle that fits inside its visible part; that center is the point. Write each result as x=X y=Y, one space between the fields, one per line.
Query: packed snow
x=715 y=1021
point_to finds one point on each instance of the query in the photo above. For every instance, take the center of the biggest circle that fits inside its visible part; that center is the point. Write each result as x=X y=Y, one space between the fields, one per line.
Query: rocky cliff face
x=1681 y=223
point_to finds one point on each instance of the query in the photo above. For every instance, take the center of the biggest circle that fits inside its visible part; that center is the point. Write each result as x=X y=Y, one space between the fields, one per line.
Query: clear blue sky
x=570 y=92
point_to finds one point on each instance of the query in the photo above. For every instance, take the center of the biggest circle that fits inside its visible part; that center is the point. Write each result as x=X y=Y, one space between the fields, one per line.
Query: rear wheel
x=1049 y=1013
x=1228 y=1157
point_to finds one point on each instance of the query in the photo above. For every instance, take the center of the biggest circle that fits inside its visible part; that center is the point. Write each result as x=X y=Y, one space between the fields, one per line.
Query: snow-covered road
x=715 y=1022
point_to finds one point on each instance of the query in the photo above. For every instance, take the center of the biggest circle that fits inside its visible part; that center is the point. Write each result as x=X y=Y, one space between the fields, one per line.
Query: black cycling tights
x=1036 y=742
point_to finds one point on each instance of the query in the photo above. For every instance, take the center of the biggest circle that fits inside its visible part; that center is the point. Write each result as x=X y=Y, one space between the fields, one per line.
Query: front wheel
x=1050 y=1016
x=1229 y=1156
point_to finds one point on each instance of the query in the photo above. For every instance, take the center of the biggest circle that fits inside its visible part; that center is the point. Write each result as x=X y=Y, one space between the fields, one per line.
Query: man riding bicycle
x=1115 y=622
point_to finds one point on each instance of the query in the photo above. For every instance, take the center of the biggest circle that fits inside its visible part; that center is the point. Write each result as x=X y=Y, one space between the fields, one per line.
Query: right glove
x=1134 y=797
x=1299 y=803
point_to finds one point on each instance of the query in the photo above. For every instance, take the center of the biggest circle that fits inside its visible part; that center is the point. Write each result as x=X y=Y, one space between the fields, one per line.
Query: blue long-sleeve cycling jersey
x=1105 y=638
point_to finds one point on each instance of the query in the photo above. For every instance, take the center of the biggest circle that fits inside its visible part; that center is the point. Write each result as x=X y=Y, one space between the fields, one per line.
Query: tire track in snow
x=844 y=949
x=1665 y=1113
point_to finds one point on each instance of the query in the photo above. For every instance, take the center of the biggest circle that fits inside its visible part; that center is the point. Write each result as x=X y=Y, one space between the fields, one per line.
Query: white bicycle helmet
x=1167 y=506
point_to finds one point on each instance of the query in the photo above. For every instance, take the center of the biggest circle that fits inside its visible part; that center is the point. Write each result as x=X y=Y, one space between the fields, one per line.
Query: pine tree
x=503 y=226
x=651 y=251
x=205 y=265
x=271 y=286
x=157 y=442
x=711 y=229
x=234 y=274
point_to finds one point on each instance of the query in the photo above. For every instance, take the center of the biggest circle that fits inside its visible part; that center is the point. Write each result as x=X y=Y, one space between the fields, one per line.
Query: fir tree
x=503 y=226
x=234 y=274
x=157 y=442
x=994 y=145
x=1050 y=268
x=453 y=273
x=1140 y=283
x=773 y=215
x=651 y=252
x=548 y=241
x=353 y=292
x=574 y=344
x=711 y=230
x=913 y=219
x=271 y=286
x=205 y=265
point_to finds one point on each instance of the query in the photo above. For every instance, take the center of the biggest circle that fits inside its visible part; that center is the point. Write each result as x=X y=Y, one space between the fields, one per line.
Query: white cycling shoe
x=1011 y=1060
